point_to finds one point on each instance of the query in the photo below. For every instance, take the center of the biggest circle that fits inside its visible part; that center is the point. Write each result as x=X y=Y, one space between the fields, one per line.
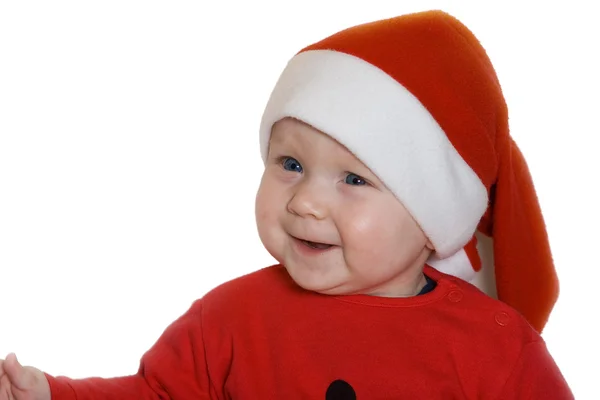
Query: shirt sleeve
x=536 y=376
x=174 y=368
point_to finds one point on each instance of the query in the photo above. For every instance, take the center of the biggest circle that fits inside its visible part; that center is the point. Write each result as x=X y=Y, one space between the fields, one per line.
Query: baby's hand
x=22 y=383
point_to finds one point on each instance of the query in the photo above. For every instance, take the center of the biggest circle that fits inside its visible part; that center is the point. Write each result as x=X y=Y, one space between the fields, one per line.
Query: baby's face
x=330 y=221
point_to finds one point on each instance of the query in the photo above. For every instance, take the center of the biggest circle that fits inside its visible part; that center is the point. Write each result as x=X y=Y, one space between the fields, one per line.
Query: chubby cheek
x=267 y=209
x=380 y=236
x=365 y=236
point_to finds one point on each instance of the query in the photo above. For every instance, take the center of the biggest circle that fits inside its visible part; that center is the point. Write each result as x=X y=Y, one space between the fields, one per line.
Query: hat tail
x=525 y=275
x=464 y=264
x=473 y=263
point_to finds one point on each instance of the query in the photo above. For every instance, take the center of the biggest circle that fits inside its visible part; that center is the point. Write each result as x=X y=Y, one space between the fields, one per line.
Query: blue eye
x=291 y=164
x=353 y=179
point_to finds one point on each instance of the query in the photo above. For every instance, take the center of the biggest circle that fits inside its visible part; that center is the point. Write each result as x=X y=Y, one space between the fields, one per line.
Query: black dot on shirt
x=340 y=390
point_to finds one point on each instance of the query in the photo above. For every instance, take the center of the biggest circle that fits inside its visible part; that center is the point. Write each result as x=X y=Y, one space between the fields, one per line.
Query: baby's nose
x=340 y=390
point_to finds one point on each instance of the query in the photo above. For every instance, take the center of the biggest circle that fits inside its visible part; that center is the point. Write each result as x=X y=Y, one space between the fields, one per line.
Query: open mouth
x=316 y=245
x=313 y=245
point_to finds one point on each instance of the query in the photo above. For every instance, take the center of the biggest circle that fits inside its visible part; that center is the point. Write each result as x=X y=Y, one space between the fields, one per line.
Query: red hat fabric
x=418 y=101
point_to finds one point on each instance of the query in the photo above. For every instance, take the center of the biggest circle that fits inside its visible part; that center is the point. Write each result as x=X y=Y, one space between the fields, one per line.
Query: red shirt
x=262 y=337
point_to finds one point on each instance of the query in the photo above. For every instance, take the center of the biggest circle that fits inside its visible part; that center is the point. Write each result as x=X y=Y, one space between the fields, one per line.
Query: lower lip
x=307 y=250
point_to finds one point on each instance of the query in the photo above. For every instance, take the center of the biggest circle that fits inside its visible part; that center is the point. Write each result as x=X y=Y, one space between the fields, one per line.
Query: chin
x=314 y=282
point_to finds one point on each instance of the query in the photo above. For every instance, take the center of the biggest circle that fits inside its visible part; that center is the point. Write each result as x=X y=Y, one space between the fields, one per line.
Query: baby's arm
x=536 y=376
x=174 y=368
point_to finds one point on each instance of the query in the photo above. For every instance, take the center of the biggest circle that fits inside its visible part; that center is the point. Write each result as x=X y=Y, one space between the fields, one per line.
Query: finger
x=15 y=372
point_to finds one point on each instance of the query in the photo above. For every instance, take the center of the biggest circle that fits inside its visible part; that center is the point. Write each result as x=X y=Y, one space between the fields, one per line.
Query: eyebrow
x=275 y=144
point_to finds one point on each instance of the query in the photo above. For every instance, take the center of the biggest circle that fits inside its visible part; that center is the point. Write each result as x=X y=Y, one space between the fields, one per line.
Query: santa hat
x=417 y=100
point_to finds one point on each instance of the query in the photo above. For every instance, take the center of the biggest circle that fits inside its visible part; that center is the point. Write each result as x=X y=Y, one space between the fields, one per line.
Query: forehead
x=290 y=133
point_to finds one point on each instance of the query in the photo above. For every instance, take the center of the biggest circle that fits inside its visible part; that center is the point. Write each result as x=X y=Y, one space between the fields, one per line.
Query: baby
x=386 y=147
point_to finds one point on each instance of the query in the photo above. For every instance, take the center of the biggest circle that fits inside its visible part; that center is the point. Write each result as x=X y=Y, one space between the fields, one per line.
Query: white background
x=129 y=160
